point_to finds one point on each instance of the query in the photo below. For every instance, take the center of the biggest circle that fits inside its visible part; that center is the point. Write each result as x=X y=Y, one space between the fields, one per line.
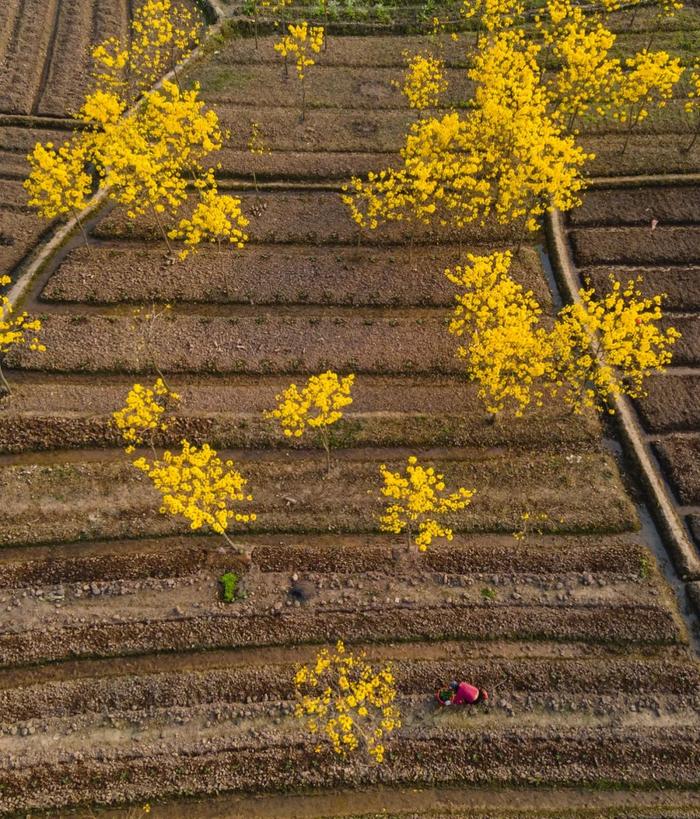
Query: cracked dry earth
x=124 y=678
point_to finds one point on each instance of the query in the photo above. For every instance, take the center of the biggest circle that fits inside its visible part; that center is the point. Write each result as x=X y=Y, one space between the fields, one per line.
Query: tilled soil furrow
x=268 y=682
x=26 y=433
x=596 y=623
x=680 y=458
x=579 y=493
x=507 y=756
x=626 y=246
x=170 y=557
x=274 y=274
x=671 y=403
x=615 y=207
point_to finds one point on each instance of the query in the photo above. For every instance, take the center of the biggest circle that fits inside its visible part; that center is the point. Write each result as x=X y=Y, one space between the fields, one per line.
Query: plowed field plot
x=654 y=231
x=125 y=677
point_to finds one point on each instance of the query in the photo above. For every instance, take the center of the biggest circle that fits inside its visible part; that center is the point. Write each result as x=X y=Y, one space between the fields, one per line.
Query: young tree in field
x=317 y=405
x=15 y=331
x=417 y=499
x=492 y=15
x=648 y=82
x=258 y=146
x=143 y=414
x=424 y=81
x=216 y=218
x=607 y=346
x=506 y=351
x=300 y=43
x=199 y=486
x=348 y=701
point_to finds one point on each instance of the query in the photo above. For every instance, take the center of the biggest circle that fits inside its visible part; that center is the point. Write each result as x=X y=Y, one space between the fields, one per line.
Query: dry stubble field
x=123 y=677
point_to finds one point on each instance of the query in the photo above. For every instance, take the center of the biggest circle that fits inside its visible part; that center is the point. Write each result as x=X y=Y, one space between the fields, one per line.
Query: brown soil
x=671 y=403
x=545 y=756
x=273 y=274
x=597 y=623
x=627 y=246
x=272 y=343
x=680 y=457
x=32 y=27
x=311 y=217
x=632 y=206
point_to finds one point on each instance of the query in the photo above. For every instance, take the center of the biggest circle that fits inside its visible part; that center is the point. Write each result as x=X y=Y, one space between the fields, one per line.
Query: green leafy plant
x=488 y=593
x=229 y=584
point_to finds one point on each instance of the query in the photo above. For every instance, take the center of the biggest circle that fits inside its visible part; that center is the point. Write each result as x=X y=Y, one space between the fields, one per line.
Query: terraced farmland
x=123 y=675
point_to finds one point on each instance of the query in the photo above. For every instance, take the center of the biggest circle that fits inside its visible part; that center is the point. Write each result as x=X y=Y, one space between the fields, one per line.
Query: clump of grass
x=229 y=584
x=488 y=593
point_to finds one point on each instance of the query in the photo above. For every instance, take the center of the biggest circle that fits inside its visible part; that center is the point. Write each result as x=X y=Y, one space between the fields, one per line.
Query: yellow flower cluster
x=16 y=330
x=506 y=352
x=650 y=79
x=58 y=182
x=514 y=359
x=493 y=14
x=142 y=413
x=587 y=75
x=530 y=521
x=417 y=498
x=162 y=33
x=257 y=143
x=317 y=405
x=199 y=486
x=348 y=701
x=300 y=42
x=424 y=81
x=623 y=327
x=216 y=217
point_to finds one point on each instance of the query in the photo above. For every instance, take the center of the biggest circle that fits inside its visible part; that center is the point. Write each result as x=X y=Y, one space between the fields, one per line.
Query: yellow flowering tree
x=15 y=331
x=162 y=34
x=317 y=405
x=606 y=346
x=424 y=81
x=586 y=75
x=506 y=352
x=198 y=485
x=416 y=501
x=216 y=217
x=348 y=701
x=151 y=156
x=649 y=81
x=300 y=43
x=143 y=414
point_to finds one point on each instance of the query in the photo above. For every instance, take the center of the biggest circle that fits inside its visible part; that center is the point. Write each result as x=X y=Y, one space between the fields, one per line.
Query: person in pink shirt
x=467 y=694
